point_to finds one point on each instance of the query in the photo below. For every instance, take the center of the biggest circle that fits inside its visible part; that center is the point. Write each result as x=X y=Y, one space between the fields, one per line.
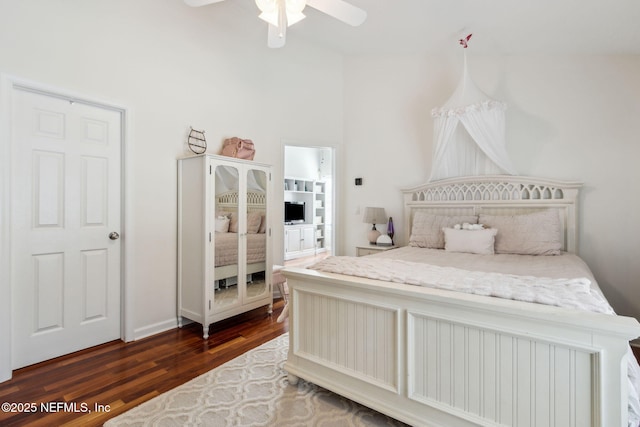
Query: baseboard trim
x=156 y=328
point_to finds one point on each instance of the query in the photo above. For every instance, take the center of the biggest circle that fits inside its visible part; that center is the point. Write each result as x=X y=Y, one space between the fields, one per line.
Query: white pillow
x=470 y=241
x=222 y=224
x=537 y=233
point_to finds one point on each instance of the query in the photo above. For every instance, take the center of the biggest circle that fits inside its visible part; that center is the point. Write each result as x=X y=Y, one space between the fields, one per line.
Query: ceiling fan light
x=295 y=7
x=270 y=10
x=267 y=6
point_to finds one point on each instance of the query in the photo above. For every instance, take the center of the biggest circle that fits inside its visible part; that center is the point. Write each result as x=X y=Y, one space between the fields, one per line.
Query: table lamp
x=374 y=216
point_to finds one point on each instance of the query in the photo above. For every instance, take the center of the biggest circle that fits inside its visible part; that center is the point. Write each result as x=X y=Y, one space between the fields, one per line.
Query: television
x=293 y=212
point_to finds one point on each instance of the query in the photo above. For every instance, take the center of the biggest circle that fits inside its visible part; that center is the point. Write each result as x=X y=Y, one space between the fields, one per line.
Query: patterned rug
x=251 y=390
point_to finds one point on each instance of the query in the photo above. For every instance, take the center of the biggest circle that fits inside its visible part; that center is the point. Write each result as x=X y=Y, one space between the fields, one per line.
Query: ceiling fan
x=282 y=13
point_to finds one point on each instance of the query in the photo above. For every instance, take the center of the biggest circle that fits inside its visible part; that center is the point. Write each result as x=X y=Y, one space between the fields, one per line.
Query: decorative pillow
x=426 y=231
x=222 y=224
x=233 y=220
x=537 y=233
x=470 y=241
x=253 y=222
x=233 y=224
x=263 y=224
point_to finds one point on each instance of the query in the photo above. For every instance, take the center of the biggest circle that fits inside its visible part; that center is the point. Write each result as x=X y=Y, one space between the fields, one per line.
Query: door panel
x=66 y=200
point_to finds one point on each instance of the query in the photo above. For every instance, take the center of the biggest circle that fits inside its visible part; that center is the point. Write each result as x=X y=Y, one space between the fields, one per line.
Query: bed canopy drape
x=227 y=180
x=469 y=134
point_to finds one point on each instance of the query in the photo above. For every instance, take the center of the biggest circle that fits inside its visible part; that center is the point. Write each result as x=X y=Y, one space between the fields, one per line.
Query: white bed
x=436 y=357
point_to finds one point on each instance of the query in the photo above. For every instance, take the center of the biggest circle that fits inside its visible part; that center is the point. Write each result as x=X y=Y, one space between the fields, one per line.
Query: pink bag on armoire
x=238 y=148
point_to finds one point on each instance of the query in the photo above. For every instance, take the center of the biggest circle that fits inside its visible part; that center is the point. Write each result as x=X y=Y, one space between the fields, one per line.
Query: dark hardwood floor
x=118 y=376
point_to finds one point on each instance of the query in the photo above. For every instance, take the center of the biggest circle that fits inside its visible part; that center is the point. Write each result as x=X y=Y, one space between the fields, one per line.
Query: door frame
x=8 y=84
x=335 y=170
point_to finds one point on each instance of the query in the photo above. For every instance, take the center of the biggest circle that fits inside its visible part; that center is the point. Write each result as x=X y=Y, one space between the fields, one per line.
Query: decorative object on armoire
x=280 y=14
x=390 y=230
x=470 y=125
x=374 y=216
x=238 y=148
x=224 y=269
x=196 y=141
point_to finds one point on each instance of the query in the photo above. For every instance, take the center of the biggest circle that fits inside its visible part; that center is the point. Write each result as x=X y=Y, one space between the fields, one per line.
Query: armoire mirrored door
x=256 y=236
x=227 y=238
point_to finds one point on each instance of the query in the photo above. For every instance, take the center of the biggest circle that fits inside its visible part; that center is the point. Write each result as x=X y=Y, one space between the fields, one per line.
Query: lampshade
x=271 y=11
x=374 y=216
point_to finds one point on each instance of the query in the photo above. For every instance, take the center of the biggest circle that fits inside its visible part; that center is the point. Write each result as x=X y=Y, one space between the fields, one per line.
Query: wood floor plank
x=124 y=375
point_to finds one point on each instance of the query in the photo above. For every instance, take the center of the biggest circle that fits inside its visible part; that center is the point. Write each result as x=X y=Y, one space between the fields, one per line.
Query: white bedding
x=563 y=280
x=562 y=292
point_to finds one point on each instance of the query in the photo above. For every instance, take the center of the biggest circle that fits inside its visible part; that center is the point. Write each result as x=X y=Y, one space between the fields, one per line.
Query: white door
x=65 y=203
x=308 y=238
x=292 y=240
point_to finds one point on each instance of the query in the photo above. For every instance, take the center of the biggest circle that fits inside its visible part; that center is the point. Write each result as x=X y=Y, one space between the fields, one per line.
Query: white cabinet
x=224 y=238
x=305 y=235
x=299 y=240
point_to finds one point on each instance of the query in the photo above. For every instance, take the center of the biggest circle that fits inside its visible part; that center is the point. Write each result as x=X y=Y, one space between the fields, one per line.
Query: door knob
x=114 y=236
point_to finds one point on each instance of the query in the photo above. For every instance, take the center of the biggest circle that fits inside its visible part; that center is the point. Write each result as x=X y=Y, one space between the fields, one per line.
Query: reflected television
x=294 y=212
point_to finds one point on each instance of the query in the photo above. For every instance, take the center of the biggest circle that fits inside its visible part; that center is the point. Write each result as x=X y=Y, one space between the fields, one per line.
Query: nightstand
x=372 y=249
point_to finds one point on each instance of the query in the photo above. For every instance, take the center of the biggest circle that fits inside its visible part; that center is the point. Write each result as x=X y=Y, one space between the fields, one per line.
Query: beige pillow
x=263 y=223
x=253 y=222
x=470 y=241
x=537 y=233
x=426 y=231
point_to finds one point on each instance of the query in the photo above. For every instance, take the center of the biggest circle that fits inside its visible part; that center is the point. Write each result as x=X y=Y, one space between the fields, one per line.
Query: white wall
x=301 y=162
x=572 y=118
x=172 y=67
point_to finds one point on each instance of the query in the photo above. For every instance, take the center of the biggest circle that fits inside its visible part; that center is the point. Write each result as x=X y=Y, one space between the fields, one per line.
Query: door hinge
x=209 y=237
x=210 y=169
x=209 y=304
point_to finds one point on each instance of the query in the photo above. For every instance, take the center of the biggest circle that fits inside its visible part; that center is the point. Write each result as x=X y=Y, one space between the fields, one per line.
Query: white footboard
x=437 y=358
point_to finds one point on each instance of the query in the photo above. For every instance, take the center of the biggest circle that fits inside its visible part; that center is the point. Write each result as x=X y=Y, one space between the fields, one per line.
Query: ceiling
x=504 y=27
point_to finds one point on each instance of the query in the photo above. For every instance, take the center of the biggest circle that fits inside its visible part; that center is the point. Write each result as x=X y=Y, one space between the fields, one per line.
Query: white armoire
x=224 y=238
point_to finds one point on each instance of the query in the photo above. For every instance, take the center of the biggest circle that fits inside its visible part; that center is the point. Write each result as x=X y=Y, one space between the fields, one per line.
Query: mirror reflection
x=226 y=238
x=256 y=233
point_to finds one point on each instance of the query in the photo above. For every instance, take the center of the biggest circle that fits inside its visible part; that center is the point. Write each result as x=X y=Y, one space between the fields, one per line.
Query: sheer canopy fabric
x=469 y=135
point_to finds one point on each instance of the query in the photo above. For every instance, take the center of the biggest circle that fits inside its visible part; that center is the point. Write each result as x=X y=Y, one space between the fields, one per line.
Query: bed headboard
x=256 y=201
x=497 y=195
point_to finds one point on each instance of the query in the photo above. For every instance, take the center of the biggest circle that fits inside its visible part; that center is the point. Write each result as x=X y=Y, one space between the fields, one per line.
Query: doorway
x=63 y=218
x=309 y=196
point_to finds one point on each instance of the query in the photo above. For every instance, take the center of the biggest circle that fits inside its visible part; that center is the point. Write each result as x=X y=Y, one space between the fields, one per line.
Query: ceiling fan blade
x=341 y=10
x=276 y=38
x=198 y=3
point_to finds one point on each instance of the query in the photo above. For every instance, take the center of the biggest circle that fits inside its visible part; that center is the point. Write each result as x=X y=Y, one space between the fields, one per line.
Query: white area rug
x=251 y=390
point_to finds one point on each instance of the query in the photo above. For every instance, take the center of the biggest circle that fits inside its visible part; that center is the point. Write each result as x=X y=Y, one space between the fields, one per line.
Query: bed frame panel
x=437 y=358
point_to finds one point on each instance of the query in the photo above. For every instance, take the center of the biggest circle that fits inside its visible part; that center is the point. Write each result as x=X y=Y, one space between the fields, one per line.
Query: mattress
x=226 y=248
